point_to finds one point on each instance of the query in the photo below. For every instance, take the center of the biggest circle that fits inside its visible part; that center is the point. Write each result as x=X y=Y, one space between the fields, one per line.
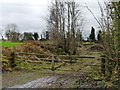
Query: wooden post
x=75 y=60
x=12 y=60
x=52 y=63
x=103 y=65
x=70 y=60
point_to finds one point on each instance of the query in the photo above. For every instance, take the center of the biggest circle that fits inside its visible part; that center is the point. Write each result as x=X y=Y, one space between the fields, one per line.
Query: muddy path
x=39 y=83
x=76 y=80
x=56 y=81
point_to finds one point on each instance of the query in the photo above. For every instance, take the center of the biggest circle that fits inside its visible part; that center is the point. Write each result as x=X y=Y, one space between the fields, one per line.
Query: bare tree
x=12 y=33
x=75 y=21
x=63 y=23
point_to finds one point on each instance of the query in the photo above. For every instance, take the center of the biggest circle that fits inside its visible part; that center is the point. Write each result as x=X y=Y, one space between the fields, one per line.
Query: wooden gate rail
x=33 y=57
x=75 y=56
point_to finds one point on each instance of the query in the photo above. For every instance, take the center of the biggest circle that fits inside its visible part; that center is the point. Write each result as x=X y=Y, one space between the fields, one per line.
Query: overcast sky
x=29 y=15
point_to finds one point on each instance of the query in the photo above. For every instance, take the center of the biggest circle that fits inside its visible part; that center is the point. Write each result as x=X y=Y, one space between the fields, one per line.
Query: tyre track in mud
x=56 y=81
x=39 y=83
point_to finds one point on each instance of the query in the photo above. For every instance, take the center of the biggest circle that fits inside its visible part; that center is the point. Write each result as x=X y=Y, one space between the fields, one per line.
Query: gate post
x=12 y=59
x=52 y=63
x=103 y=64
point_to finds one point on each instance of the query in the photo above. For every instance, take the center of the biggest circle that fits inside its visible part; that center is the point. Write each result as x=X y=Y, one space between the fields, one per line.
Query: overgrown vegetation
x=110 y=40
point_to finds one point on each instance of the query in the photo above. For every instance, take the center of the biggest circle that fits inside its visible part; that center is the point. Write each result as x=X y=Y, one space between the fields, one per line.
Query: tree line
x=12 y=34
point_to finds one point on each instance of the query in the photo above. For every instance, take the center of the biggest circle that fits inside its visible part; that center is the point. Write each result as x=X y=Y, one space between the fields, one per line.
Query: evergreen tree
x=28 y=36
x=92 y=35
x=47 y=35
x=99 y=36
x=36 y=36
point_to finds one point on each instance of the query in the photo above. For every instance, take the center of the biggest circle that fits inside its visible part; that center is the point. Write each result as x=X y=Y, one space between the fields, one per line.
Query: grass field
x=9 y=44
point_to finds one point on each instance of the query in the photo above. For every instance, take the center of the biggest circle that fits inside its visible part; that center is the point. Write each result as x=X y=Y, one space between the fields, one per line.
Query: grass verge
x=10 y=44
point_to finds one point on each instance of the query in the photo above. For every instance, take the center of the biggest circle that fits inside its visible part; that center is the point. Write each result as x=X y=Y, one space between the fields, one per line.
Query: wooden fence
x=50 y=58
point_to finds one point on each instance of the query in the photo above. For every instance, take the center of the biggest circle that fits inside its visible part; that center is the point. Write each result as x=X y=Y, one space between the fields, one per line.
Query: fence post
x=52 y=63
x=71 y=60
x=12 y=59
x=103 y=65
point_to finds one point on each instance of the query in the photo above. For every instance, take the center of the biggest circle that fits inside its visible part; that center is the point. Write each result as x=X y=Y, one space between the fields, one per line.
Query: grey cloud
x=31 y=18
x=23 y=16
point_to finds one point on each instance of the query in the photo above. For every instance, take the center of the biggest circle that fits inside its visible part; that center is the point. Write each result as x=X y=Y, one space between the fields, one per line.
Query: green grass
x=9 y=44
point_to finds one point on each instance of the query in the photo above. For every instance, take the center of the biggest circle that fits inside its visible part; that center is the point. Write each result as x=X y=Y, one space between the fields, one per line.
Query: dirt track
x=62 y=81
x=56 y=81
x=39 y=83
